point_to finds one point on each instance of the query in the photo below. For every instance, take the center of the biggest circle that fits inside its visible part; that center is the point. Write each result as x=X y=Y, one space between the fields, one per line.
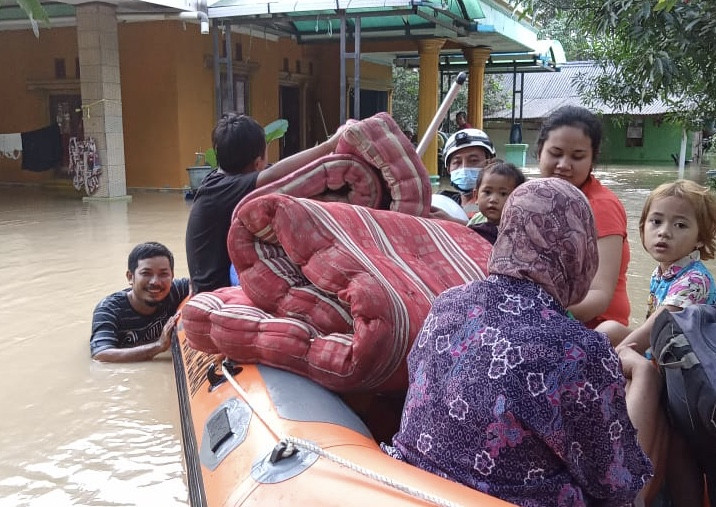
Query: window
x=635 y=133
x=241 y=89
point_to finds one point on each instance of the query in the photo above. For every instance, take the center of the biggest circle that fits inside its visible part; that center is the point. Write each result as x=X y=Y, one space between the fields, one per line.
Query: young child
x=240 y=146
x=494 y=184
x=678 y=229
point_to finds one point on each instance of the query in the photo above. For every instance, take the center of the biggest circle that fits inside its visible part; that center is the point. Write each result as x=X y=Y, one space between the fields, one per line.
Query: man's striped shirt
x=115 y=324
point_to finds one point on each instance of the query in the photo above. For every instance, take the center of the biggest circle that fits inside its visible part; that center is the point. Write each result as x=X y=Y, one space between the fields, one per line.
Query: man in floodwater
x=137 y=323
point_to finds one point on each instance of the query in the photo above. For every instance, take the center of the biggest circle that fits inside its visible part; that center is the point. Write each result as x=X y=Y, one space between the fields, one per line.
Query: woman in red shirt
x=567 y=148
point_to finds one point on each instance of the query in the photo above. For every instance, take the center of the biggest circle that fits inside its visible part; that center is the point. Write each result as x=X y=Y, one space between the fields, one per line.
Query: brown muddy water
x=77 y=432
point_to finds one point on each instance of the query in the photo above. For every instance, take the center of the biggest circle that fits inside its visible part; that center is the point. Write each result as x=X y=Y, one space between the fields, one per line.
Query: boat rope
x=288 y=444
x=230 y=378
x=383 y=479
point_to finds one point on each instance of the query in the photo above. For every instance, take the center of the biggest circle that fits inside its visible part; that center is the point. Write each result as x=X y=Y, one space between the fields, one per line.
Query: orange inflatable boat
x=256 y=435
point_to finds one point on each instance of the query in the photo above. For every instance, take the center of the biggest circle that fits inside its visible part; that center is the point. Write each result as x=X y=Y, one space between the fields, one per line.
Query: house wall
x=373 y=77
x=168 y=92
x=499 y=132
x=150 y=95
x=660 y=141
x=27 y=61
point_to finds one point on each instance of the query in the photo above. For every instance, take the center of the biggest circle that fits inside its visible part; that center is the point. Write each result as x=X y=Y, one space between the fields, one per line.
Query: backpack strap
x=669 y=358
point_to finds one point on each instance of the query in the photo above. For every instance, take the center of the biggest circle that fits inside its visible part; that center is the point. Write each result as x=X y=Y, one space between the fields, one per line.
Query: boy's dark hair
x=238 y=140
x=498 y=166
x=572 y=116
x=461 y=114
x=147 y=251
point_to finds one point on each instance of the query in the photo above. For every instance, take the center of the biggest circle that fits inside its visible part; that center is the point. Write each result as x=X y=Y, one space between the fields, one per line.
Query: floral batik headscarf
x=547 y=235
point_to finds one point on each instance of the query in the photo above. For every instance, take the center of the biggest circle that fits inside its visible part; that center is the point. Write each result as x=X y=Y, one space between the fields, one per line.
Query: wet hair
x=148 y=250
x=701 y=199
x=506 y=169
x=238 y=140
x=572 y=116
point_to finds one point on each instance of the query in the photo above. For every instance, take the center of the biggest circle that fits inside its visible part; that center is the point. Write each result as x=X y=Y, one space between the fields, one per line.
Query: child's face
x=492 y=194
x=671 y=230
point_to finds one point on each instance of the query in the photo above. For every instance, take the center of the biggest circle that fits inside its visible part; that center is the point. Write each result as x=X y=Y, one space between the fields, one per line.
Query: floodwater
x=77 y=432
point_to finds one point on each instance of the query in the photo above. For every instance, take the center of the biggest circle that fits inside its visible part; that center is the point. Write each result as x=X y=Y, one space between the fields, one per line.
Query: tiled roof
x=545 y=92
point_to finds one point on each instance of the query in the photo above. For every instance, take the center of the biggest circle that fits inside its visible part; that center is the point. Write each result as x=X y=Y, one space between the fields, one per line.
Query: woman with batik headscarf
x=510 y=396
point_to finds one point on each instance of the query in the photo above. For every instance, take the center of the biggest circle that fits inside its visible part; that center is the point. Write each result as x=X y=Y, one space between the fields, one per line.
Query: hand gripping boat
x=256 y=435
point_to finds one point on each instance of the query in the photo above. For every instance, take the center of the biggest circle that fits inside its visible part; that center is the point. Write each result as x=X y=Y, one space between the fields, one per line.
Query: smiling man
x=137 y=323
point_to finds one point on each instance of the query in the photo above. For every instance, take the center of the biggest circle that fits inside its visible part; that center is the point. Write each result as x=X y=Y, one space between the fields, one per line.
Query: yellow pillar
x=476 y=60
x=429 y=51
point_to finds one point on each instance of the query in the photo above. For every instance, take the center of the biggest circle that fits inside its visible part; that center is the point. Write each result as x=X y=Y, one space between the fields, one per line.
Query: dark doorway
x=66 y=111
x=290 y=109
x=371 y=102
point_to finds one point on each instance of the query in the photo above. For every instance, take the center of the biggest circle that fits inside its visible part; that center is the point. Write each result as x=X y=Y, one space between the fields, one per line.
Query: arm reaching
x=141 y=352
x=639 y=339
x=290 y=164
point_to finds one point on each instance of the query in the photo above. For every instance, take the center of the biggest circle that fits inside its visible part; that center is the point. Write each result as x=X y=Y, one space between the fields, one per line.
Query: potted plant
x=206 y=161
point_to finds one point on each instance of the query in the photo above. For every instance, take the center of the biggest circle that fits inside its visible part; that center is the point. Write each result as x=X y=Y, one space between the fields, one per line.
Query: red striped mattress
x=332 y=291
x=374 y=165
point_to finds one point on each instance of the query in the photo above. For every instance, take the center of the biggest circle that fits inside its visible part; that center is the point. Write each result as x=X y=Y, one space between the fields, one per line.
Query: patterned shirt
x=116 y=325
x=509 y=396
x=686 y=282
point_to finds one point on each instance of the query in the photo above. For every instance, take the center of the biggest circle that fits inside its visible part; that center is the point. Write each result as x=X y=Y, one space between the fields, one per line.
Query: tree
x=35 y=12
x=649 y=50
x=576 y=46
x=405 y=97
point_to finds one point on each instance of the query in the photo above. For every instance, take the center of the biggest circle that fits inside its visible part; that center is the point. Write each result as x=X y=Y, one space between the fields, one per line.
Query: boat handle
x=215 y=379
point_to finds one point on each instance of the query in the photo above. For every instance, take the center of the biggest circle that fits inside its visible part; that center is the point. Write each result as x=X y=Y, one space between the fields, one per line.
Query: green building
x=636 y=136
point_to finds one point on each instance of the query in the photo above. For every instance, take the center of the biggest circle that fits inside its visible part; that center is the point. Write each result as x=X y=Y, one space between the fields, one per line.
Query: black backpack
x=684 y=346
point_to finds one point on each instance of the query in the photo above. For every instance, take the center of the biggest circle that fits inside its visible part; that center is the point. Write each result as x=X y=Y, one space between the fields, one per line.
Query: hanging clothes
x=10 y=146
x=85 y=166
x=41 y=149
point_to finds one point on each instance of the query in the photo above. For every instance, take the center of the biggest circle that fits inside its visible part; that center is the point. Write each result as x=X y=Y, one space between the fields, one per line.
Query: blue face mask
x=464 y=179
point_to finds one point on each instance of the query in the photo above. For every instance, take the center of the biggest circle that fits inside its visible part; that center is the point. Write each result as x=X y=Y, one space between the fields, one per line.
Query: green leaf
x=275 y=130
x=664 y=5
x=35 y=12
x=210 y=157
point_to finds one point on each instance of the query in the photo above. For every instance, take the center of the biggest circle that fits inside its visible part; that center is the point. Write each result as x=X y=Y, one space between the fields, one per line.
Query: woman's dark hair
x=506 y=169
x=238 y=140
x=572 y=116
x=147 y=251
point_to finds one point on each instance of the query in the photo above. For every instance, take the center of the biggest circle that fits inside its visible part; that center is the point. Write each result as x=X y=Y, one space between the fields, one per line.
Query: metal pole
x=356 y=70
x=682 y=153
x=440 y=114
x=522 y=94
x=229 y=69
x=217 y=71
x=342 y=90
x=514 y=91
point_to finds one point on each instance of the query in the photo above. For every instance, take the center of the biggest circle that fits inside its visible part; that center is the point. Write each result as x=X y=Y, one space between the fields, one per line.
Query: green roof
x=53 y=11
x=310 y=20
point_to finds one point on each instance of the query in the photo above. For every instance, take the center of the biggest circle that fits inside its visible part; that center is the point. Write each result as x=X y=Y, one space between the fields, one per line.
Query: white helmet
x=467 y=137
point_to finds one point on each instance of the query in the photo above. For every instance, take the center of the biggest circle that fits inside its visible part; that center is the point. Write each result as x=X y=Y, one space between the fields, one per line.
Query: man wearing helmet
x=466 y=152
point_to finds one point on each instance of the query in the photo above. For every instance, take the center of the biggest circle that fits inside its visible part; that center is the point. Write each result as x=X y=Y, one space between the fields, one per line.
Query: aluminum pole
x=440 y=114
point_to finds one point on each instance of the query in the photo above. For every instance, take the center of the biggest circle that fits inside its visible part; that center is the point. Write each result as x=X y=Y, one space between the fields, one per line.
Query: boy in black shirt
x=241 y=155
